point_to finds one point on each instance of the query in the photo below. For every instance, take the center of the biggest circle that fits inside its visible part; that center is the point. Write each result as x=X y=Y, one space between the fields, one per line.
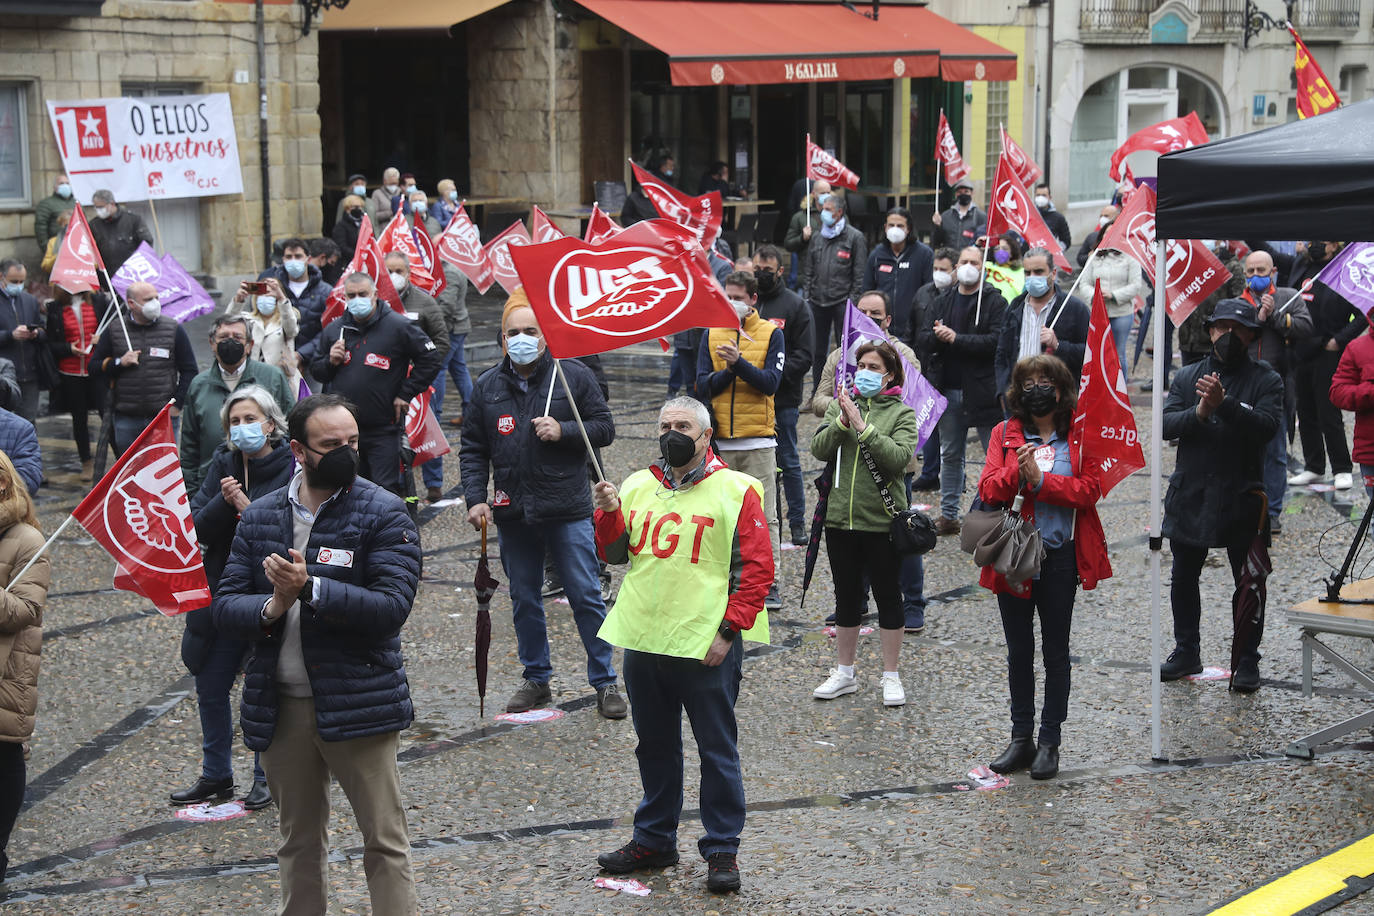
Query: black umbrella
x=1247 y=605
x=824 y=482
x=485 y=585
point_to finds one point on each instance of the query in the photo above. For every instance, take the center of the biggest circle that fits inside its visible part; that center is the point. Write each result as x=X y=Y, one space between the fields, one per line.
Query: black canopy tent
x=1311 y=179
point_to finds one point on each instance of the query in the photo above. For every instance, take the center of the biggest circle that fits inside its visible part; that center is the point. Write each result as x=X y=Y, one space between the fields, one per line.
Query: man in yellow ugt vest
x=696 y=538
x=739 y=373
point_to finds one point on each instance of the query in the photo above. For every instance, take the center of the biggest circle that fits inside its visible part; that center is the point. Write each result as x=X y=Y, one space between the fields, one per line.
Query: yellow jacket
x=742 y=396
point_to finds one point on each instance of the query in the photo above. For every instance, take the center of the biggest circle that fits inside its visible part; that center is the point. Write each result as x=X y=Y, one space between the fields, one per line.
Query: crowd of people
x=278 y=477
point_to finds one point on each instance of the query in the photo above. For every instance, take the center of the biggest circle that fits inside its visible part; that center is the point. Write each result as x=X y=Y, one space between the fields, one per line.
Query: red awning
x=735 y=43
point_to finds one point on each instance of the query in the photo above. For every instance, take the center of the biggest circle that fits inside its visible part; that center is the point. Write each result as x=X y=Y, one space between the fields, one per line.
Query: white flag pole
x=1156 y=465
x=1077 y=280
x=807 y=172
x=982 y=279
x=548 y=401
x=577 y=415
x=46 y=544
x=118 y=311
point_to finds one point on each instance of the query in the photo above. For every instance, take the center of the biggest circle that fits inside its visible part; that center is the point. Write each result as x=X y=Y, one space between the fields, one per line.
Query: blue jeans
x=953 y=428
x=1121 y=334
x=789 y=463
x=1052 y=595
x=128 y=427
x=213 y=683
x=432 y=471
x=930 y=454
x=660 y=687
x=573 y=548
x=682 y=372
x=1276 y=469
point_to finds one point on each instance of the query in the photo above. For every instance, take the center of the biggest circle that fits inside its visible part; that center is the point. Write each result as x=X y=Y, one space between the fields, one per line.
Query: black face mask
x=1316 y=251
x=1229 y=349
x=677 y=448
x=1040 y=400
x=356 y=213
x=229 y=351
x=767 y=280
x=964 y=199
x=336 y=468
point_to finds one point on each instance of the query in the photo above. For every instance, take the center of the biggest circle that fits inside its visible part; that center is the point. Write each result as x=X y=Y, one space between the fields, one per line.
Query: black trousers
x=379 y=457
x=1185 y=595
x=82 y=394
x=827 y=325
x=1052 y=597
x=12 y=775
x=859 y=555
x=1320 y=423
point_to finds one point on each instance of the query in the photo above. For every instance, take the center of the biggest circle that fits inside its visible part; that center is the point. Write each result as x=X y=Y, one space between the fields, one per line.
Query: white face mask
x=942 y=278
x=741 y=308
x=896 y=234
x=1102 y=221
x=102 y=212
x=1042 y=201
x=392 y=189
x=152 y=309
x=398 y=281
x=967 y=274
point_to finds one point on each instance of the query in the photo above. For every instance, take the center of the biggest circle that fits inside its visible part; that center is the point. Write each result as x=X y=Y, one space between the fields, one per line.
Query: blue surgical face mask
x=1037 y=286
x=64 y=190
x=1259 y=285
x=14 y=289
x=360 y=190
x=419 y=207
x=523 y=349
x=667 y=173
x=822 y=198
x=453 y=196
x=360 y=306
x=868 y=382
x=828 y=217
x=267 y=304
x=248 y=437
x=294 y=269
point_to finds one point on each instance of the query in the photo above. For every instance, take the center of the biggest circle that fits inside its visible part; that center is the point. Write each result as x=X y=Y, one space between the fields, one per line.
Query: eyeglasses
x=239 y=337
x=1033 y=383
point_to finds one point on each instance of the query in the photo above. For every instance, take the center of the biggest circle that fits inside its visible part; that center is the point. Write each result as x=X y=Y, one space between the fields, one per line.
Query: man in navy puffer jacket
x=320 y=578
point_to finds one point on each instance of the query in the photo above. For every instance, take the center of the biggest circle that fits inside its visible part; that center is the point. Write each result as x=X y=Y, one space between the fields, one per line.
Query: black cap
x=1237 y=310
x=356 y=176
x=963 y=183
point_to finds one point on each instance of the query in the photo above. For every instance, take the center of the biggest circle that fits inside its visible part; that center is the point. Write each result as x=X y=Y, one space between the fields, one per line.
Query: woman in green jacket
x=875 y=420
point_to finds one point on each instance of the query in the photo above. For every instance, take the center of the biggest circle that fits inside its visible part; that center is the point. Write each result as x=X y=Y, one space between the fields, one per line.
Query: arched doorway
x=1117 y=106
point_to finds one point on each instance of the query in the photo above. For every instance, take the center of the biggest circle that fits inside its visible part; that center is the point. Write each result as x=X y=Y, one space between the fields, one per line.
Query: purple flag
x=917 y=392
x=303 y=391
x=181 y=296
x=1350 y=275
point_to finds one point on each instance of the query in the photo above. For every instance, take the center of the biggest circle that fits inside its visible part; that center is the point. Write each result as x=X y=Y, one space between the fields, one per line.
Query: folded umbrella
x=824 y=483
x=1247 y=604
x=485 y=585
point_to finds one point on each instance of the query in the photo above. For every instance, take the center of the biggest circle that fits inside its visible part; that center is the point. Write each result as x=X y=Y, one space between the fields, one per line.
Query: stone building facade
x=146 y=47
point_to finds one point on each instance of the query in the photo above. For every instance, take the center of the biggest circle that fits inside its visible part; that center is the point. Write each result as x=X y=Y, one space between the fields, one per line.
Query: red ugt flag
x=542 y=228
x=460 y=244
x=822 y=165
x=398 y=236
x=367 y=259
x=947 y=151
x=1103 y=424
x=426 y=436
x=1026 y=169
x=649 y=281
x=498 y=254
x=140 y=514
x=1164 y=137
x=701 y=214
x=77 y=257
x=600 y=226
x=1192 y=272
x=1011 y=208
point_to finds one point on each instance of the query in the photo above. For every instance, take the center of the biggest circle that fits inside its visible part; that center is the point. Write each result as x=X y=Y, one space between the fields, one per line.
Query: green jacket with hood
x=891 y=435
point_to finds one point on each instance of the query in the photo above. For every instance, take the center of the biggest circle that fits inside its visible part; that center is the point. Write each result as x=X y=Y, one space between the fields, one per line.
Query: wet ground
x=853 y=807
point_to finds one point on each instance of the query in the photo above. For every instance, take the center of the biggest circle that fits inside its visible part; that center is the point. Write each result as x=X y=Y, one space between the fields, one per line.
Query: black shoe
x=1046 y=763
x=634 y=855
x=722 y=872
x=552 y=589
x=204 y=789
x=926 y=483
x=773 y=600
x=531 y=695
x=610 y=703
x=1017 y=756
x=1181 y=663
x=800 y=538
x=1275 y=527
x=259 y=797
x=1246 y=678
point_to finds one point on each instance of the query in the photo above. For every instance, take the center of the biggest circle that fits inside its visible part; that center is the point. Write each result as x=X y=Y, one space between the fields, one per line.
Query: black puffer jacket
x=216 y=521
x=378 y=366
x=533 y=481
x=351 y=637
x=833 y=269
x=1221 y=459
x=972 y=355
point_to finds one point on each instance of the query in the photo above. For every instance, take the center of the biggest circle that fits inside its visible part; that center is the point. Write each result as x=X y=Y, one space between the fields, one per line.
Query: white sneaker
x=893 y=694
x=837 y=685
x=1342 y=482
x=1303 y=478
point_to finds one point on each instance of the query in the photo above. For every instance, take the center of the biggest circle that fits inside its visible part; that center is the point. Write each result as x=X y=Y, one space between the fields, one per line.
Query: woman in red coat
x=1038 y=455
x=1352 y=388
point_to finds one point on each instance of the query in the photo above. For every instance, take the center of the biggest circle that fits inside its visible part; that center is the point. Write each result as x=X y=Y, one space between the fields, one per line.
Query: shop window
x=14 y=145
x=999 y=102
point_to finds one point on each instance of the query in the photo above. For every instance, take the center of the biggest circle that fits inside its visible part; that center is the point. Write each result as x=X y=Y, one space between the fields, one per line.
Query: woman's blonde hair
x=14 y=494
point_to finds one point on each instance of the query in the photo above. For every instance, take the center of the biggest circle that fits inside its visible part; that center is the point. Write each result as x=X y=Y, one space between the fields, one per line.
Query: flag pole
x=982 y=279
x=34 y=559
x=577 y=415
x=1156 y=464
x=118 y=311
x=1077 y=280
x=806 y=166
x=548 y=401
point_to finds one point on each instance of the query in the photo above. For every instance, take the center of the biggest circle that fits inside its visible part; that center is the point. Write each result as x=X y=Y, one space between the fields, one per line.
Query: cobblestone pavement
x=853 y=806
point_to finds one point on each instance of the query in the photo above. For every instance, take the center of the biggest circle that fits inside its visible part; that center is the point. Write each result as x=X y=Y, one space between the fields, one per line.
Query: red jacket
x=1352 y=388
x=1001 y=481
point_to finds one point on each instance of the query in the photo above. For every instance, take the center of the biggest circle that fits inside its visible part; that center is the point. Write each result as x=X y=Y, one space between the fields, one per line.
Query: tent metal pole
x=1156 y=470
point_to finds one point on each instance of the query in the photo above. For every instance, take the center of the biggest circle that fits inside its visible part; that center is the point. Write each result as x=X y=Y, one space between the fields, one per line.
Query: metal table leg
x=1305 y=638
x=1306 y=747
